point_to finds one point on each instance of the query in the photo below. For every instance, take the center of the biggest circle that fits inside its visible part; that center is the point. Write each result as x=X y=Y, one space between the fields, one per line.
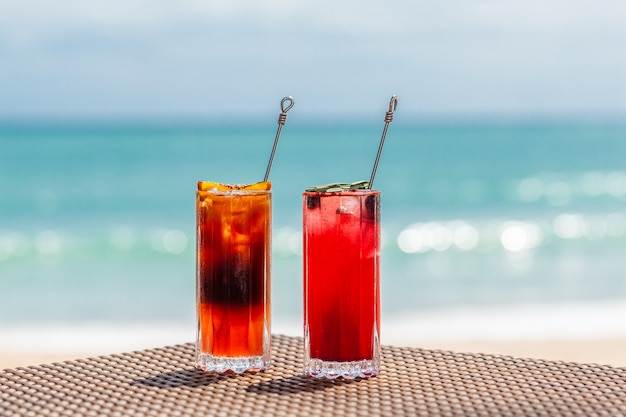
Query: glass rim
x=233 y=189
x=340 y=193
x=234 y=193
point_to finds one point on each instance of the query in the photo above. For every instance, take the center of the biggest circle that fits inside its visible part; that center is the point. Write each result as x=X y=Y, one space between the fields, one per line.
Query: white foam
x=92 y=338
x=583 y=321
x=104 y=338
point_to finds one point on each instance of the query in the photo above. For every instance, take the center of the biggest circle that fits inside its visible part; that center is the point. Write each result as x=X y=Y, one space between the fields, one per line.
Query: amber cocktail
x=233 y=276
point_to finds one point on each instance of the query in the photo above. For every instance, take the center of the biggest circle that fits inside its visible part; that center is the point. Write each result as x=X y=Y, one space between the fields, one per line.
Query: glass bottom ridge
x=318 y=368
x=223 y=364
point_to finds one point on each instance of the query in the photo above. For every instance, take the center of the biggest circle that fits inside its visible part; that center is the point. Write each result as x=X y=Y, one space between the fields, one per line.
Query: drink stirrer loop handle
x=393 y=104
x=282 y=118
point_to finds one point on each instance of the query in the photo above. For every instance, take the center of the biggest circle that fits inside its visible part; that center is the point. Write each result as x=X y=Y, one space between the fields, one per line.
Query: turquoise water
x=97 y=221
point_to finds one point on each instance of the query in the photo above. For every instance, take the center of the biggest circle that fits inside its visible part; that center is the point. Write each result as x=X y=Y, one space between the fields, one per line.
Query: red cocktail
x=342 y=283
x=233 y=276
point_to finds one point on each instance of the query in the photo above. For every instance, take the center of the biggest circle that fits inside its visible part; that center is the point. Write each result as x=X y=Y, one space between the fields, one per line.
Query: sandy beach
x=592 y=333
x=604 y=351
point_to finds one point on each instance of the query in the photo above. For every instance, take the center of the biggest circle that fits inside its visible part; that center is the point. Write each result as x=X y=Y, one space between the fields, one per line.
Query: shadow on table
x=193 y=377
x=184 y=378
x=295 y=384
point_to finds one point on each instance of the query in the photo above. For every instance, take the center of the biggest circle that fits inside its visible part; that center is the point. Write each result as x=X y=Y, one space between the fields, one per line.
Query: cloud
x=146 y=57
x=356 y=17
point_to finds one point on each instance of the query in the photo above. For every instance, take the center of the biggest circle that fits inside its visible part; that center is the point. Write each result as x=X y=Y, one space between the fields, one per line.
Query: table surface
x=163 y=382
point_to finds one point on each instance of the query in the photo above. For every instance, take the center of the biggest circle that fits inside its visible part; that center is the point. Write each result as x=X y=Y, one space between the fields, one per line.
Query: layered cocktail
x=341 y=232
x=233 y=276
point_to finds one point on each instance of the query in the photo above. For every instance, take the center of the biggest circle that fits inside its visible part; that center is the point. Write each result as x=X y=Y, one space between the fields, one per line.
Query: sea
x=490 y=230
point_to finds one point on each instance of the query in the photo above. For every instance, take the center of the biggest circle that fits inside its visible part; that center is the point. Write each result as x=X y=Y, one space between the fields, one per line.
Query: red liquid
x=341 y=274
x=233 y=279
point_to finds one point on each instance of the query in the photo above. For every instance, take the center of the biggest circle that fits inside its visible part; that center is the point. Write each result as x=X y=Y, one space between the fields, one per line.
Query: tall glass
x=341 y=232
x=233 y=277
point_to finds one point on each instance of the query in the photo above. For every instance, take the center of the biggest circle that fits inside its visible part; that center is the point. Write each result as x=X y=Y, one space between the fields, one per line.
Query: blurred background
x=503 y=176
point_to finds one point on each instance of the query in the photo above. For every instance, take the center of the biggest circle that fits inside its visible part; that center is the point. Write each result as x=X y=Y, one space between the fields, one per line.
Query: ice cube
x=348 y=206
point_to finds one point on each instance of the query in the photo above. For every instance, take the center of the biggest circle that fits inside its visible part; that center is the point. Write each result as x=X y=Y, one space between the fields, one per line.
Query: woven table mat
x=415 y=382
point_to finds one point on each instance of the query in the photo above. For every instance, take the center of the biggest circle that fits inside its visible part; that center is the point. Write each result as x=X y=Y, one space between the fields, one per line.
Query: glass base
x=327 y=369
x=221 y=364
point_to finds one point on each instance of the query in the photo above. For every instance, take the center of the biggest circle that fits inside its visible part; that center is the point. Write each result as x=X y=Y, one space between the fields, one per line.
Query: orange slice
x=210 y=185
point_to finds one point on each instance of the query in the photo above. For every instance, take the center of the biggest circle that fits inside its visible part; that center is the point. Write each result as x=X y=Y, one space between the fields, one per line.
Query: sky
x=215 y=60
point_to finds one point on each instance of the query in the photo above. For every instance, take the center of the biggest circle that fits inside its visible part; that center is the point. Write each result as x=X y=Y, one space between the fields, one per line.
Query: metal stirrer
x=393 y=103
x=282 y=118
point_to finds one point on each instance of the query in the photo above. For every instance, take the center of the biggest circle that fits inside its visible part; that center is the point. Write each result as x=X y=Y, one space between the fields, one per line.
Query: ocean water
x=489 y=229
